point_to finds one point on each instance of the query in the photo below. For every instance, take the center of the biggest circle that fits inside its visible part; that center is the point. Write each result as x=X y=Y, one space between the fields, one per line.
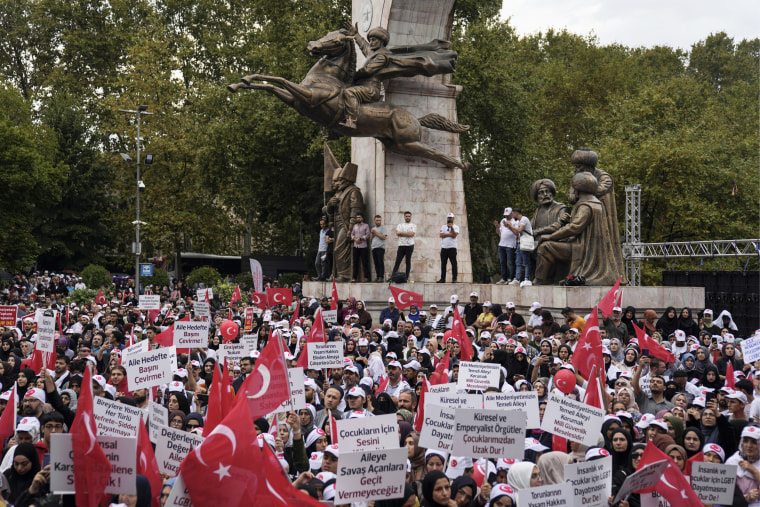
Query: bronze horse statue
x=320 y=95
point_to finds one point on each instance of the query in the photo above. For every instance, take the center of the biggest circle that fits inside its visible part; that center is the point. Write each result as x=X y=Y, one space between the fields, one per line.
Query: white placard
x=116 y=419
x=202 y=309
x=200 y=294
x=45 y=334
x=297 y=399
x=555 y=495
x=478 y=376
x=438 y=427
x=233 y=352
x=751 y=349
x=173 y=447
x=148 y=369
x=121 y=453
x=572 y=420
x=443 y=388
x=152 y=302
x=140 y=346
x=647 y=476
x=251 y=340
x=371 y=475
x=653 y=499
x=325 y=355
x=455 y=400
x=158 y=416
x=368 y=433
x=330 y=316
x=526 y=401
x=713 y=483
x=191 y=334
x=179 y=496
x=592 y=482
x=496 y=434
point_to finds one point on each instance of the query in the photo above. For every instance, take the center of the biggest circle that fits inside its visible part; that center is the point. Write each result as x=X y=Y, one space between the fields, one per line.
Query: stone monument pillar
x=394 y=183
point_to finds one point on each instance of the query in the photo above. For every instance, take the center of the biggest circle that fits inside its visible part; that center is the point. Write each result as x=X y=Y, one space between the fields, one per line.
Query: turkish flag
x=730 y=378
x=419 y=416
x=148 y=466
x=92 y=469
x=303 y=357
x=334 y=297
x=655 y=349
x=100 y=298
x=317 y=333
x=405 y=298
x=333 y=428
x=699 y=457
x=279 y=488
x=559 y=443
x=165 y=339
x=268 y=385
x=259 y=300
x=219 y=400
x=8 y=419
x=235 y=295
x=382 y=384
x=593 y=396
x=465 y=346
x=279 y=296
x=153 y=315
x=588 y=350
x=608 y=302
x=295 y=314
x=441 y=374
x=38 y=361
x=673 y=486
x=226 y=469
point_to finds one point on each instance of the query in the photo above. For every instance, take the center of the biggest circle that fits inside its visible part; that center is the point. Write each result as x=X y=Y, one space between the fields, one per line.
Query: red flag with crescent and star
x=419 y=416
x=279 y=488
x=655 y=349
x=673 y=486
x=316 y=335
x=406 y=298
x=465 y=346
x=259 y=300
x=279 y=296
x=219 y=400
x=334 y=297
x=608 y=301
x=92 y=469
x=268 y=385
x=588 y=350
x=100 y=298
x=235 y=295
x=295 y=314
x=442 y=369
x=8 y=419
x=148 y=466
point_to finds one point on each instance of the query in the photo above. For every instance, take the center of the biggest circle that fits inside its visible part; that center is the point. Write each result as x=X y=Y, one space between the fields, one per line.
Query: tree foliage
x=96 y=277
x=209 y=277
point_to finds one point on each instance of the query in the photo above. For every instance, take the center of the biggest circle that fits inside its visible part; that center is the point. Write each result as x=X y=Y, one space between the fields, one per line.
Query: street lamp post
x=141 y=110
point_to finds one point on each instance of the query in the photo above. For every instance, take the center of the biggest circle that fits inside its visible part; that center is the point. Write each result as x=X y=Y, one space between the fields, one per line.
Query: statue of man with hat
x=341 y=212
x=547 y=214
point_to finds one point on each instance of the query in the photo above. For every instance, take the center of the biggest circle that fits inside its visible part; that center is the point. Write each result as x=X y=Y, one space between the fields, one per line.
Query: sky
x=635 y=23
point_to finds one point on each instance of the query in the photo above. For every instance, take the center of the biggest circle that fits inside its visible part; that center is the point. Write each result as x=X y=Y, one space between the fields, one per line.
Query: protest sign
x=330 y=316
x=751 y=349
x=148 y=369
x=297 y=399
x=8 y=316
x=200 y=294
x=233 y=352
x=179 y=496
x=172 y=447
x=653 y=499
x=121 y=453
x=367 y=433
x=152 y=302
x=443 y=388
x=478 y=376
x=140 y=346
x=371 y=475
x=645 y=477
x=325 y=355
x=455 y=400
x=489 y=433
x=572 y=420
x=526 y=401
x=116 y=419
x=202 y=309
x=45 y=333
x=251 y=340
x=555 y=495
x=248 y=320
x=158 y=416
x=592 y=482
x=713 y=483
x=438 y=427
x=191 y=334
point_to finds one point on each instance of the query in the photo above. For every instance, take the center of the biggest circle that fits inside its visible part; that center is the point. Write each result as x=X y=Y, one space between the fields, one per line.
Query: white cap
x=535 y=306
x=110 y=390
x=716 y=449
x=507 y=211
x=27 y=424
x=36 y=393
x=181 y=372
x=100 y=379
x=453 y=299
x=510 y=304
x=457 y=466
x=358 y=392
x=500 y=490
x=433 y=305
x=473 y=294
x=531 y=444
x=395 y=364
x=506 y=463
x=333 y=449
x=315 y=460
x=738 y=395
x=707 y=310
x=391 y=300
x=450 y=215
x=752 y=432
x=485 y=334
x=353 y=369
x=486 y=303
x=363 y=342
x=413 y=364
x=617 y=309
x=596 y=452
x=355 y=414
x=176 y=387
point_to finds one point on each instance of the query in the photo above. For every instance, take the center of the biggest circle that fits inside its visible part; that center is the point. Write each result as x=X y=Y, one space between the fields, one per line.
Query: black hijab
x=687 y=324
x=667 y=325
x=715 y=384
x=698 y=433
x=428 y=486
x=630 y=322
x=17 y=483
x=621 y=459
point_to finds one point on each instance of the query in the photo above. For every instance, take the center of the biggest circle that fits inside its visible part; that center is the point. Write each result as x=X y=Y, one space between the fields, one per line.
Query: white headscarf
x=519 y=475
x=731 y=324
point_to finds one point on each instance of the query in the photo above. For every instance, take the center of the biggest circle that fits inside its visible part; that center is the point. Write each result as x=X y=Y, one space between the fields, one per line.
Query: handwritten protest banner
x=647 y=476
x=367 y=433
x=325 y=355
x=555 y=495
x=592 y=482
x=371 y=475
x=149 y=302
x=751 y=349
x=527 y=401
x=438 y=427
x=191 y=334
x=573 y=420
x=121 y=453
x=478 y=376
x=148 y=369
x=297 y=399
x=116 y=419
x=8 y=316
x=713 y=483
x=489 y=433
x=172 y=448
x=158 y=417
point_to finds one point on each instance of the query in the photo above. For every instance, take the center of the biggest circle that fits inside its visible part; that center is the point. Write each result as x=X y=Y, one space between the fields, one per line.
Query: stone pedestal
x=393 y=183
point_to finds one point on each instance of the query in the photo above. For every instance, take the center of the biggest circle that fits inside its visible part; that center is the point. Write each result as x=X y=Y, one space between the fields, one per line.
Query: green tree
x=96 y=277
x=205 y=275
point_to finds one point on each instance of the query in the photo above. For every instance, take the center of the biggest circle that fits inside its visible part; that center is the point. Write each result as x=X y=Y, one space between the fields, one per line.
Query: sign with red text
x=371 y=475
x=297 y=399
x=149 y=302
x=592 y=482
x=191 y=334
x=116 y=419
x=45 y=334
x=202 y=309
x=527 y=401
x=713 y=482
x=478 y=376
x=438 y=427
x=367 y=433
x=489 y=433
x=555 y=495
x=150 y=368
x=325 y=355
x=173 y=447
x=572 y=420
x=8 y=316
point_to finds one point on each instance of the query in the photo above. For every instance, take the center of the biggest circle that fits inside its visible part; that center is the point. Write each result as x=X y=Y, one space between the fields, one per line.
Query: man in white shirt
x=405 y=232
x=448 y=234
x=507 y=247
x=523 y=228
x=535 y=316
x=448 y=314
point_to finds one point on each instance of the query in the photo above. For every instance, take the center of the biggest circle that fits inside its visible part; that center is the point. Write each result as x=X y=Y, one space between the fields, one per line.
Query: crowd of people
x=700 y=403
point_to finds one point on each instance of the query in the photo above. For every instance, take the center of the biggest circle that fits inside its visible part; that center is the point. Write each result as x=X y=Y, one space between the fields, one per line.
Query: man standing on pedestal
x=405 y=232
x=359 y=235
x=323 y=272
x=378 y=235
x=448 y=234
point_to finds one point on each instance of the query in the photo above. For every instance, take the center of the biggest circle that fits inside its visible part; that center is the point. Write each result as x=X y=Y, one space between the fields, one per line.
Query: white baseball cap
x=395 y=364
x=391 y=300
x=510 y=304
x=454 y=298
x=36 y=393
x=531 y=444
x=473 y=294
x=507 y=211
x=357 y=392
x=450 y=215
x=333 y=449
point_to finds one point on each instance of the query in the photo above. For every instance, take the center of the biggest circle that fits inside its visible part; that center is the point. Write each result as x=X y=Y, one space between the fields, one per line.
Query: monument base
x=551 y=297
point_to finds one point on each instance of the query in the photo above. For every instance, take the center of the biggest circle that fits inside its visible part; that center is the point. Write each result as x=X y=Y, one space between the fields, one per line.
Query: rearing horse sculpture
x=320 y=95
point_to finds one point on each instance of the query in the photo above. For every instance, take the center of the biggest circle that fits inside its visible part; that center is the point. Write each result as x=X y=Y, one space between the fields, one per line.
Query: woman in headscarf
x=649 y=322
x=621 y=445
x=436 y=491
x=519 y=365
x=616 y=351
x=675 y=428
x=701 y=360
x=69 y=398
x=629 y=319
x=464 y=489
x=716 y=429
x=414 y=314
x=711 y=377
x=619 y=476
x=19 y=477
x=405 y=415
x=668 y=323
x=365 y=319
x=630 y=361
x=6 y=347
x=524 y=475
x=143 y=496
x=726 y=321
x=25 y=381
x=549 y=326
x=404 y=429
x=693 y=441
x=728 y=355
x=416 y=455
x=551 y=466
x=686 y=323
